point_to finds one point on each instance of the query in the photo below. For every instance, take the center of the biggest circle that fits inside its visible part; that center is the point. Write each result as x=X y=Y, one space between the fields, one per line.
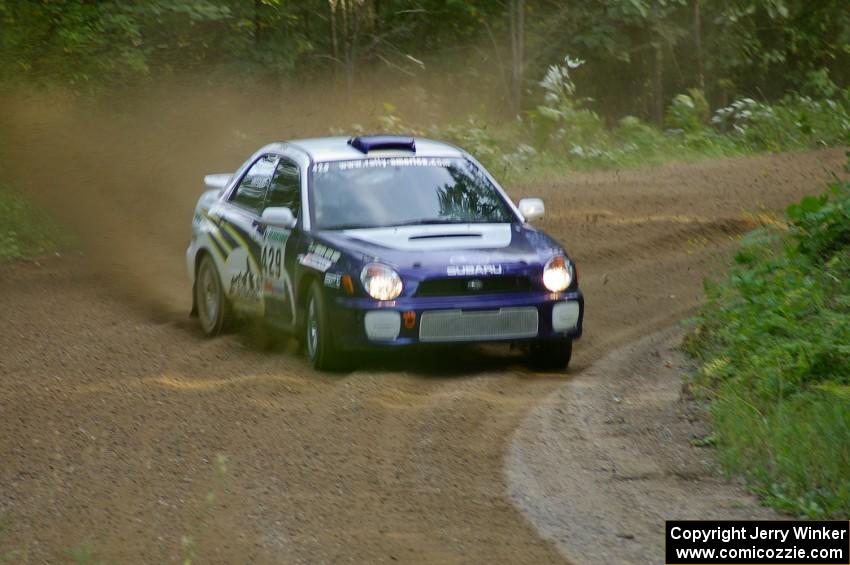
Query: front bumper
x=349 y=318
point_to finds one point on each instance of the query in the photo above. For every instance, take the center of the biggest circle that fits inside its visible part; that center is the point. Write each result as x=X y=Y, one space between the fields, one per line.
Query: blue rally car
x=379 y=241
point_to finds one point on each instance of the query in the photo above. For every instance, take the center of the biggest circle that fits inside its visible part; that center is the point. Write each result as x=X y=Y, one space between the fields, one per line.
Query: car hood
x=437 y=246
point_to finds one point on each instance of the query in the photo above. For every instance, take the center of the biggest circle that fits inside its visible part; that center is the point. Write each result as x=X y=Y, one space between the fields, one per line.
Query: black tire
x=318 y=335
x=552 y=355
x=214 y=312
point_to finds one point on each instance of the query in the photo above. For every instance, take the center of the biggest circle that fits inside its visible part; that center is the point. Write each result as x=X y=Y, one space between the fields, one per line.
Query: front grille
x=457 y=325
x=459 y=286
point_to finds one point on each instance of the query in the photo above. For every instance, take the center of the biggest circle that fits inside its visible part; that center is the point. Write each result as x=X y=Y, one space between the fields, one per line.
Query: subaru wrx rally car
x=379 y=241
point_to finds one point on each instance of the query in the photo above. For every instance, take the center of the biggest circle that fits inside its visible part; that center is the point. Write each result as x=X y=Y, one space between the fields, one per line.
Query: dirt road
x=126 y=432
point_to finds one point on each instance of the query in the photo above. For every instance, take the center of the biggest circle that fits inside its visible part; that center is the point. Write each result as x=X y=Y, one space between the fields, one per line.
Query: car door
x=280 y=244
x=242 y=233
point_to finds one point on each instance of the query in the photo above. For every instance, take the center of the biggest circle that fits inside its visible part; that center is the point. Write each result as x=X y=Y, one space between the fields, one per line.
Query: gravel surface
x=600 y=464
x=126 y=432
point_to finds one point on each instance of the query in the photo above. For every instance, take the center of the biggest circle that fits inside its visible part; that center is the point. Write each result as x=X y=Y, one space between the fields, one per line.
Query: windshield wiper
x=349 y=227
x=416 y=222
x=436 y=221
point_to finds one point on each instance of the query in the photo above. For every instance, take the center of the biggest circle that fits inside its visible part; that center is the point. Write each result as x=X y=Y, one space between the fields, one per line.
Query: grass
x=794 y=454
x=26 y=231
x=773 y=341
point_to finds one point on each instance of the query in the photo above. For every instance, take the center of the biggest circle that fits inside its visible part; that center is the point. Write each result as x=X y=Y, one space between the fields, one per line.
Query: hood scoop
x=442 y=235
x=436 y=237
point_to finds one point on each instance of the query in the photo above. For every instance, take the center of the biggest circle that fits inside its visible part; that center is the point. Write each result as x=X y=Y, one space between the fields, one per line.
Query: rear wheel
x=552 y=355
x=213 y=306
x=318 y=337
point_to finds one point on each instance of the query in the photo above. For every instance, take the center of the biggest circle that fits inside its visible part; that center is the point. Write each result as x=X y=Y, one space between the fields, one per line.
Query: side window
x=251 y=191
x=285 y=189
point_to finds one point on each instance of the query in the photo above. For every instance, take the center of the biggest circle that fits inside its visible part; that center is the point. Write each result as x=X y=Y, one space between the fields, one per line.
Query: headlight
x=557 y=274
x=380 y=281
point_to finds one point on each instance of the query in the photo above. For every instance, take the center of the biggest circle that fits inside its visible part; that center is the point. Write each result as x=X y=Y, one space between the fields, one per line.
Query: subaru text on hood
x=379 y=241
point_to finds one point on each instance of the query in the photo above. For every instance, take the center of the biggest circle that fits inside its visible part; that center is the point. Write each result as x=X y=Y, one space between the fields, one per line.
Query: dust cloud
x=122 y=174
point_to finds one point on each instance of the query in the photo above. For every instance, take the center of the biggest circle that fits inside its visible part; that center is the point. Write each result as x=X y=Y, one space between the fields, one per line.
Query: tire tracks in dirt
x=114 y=415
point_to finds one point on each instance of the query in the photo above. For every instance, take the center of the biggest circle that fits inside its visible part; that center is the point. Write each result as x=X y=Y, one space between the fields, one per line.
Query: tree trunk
x=698 y=46
x=348 y=46
x=517 y=31
x=658 y=83
x=334 y=42
x=257 y=4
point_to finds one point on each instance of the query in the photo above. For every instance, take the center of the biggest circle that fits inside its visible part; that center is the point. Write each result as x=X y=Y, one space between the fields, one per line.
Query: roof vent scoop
x=367 y=143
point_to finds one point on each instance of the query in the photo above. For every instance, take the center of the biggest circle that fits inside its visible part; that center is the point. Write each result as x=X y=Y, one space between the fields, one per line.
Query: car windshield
x=384 y=192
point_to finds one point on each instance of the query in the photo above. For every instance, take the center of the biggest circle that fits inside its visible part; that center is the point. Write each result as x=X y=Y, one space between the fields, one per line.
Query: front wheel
x=318 y=338
x=552 y=355
x=213 y=306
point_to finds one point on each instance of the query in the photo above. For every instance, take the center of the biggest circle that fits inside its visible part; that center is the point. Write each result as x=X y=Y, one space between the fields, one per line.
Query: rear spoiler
x=218 y=181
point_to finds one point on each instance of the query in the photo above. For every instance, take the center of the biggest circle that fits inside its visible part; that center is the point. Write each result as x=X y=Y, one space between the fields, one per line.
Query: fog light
x=565 y=316
x=382 y=325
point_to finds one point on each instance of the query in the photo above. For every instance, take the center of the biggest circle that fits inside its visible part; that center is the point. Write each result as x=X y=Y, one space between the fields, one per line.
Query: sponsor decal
x=332 y=280
x=246 y=284
x=277 y=289
x=321 y=168
x=271 y=260
x=319 y=257
x=473 y=270
x=278 y=285
x=465 y=260
x=276 y=235
x=315 y=262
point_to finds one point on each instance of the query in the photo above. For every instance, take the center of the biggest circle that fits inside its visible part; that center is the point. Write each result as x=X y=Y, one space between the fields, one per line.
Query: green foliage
x=638 y=52
x=563 y=120
x=563 y=134
x=25 y=230
x=794 y=122
x=794 y=456
x=688 y=112
x=774 y=343
x=89 y=45
x=782 y=43
x=821 y=225
x=473 y=135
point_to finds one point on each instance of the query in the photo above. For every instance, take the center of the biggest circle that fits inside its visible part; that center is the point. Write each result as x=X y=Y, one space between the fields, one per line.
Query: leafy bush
x=498 y=153
x=688 y=112
x=793 y=123
x=473 y=136
x=563 y=133
x=563 y=120
x=774 y=343
x=821 y=225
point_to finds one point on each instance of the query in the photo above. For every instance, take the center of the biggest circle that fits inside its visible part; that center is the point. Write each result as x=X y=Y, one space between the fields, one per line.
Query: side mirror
x=531 y=208
x=278 y=217
x=217 y=181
